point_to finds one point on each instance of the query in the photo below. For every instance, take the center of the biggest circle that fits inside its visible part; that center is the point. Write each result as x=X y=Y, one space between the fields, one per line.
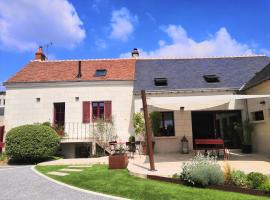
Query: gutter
x=192 y=90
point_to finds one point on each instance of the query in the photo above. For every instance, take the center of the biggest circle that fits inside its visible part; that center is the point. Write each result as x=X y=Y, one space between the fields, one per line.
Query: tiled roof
x=56 y=71
x=182 y=74
x=260 y=77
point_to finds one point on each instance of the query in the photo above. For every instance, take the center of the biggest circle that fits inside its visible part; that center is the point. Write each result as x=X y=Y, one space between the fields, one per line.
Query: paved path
x=21 y=183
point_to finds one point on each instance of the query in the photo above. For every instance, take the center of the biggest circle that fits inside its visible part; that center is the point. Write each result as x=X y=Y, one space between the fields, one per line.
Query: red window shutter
x=86 y=112
x=108 y=110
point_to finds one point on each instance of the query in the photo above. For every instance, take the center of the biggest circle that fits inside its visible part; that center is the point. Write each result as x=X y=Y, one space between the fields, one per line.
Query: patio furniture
x=212 y=144
x=138 y=147
x=131 y=148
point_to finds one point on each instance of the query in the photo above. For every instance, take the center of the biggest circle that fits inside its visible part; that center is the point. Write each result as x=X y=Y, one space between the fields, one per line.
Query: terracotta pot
x=144 y=147
x=61 y=133
x=118 y=161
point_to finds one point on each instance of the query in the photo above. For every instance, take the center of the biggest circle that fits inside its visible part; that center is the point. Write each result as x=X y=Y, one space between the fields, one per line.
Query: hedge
x=31 y=142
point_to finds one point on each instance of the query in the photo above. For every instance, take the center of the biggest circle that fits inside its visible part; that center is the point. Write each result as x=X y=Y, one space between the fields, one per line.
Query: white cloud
x=25 y=24
x=101 y=44
x=219 y=44
x=122 y=24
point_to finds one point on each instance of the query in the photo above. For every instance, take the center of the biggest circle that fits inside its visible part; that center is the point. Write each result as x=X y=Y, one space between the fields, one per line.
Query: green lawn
x=119 y=183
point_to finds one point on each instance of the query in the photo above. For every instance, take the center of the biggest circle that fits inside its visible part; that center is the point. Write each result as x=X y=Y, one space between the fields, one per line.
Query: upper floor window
x=161 y=82
x=211 y=78
x=101 y=72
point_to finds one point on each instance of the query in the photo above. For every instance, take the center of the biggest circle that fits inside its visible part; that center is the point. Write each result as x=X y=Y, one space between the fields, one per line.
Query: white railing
x=76 y=130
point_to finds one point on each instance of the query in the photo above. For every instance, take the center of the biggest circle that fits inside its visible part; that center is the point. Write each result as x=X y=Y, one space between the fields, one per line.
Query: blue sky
x=111 y=28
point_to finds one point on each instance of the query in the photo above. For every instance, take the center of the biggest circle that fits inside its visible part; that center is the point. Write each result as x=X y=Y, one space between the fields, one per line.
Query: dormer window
x=101 y=72
x=161 y=82
x=211 y=78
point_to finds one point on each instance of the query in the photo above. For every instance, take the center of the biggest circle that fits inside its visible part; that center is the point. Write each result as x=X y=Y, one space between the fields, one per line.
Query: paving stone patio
x=71 y=170
x=171 y=163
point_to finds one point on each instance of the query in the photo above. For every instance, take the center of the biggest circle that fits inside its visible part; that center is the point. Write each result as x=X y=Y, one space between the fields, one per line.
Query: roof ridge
x=204 y=57
x=95 y=59
x=156 y=58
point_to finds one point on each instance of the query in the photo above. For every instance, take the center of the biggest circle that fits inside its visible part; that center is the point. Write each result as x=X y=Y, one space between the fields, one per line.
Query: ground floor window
x=167 y=124
x=59 y=114
x=257 y=116
x=217 y=125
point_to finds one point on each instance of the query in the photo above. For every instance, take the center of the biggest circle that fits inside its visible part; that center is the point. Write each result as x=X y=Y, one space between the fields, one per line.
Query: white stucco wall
x=261 y=135
x=22 y=107
x=182 y=119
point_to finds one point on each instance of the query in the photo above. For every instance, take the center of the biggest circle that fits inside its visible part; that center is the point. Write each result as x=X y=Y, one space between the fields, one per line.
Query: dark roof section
x=2 y=111
x=233 y=72
x=259 y=77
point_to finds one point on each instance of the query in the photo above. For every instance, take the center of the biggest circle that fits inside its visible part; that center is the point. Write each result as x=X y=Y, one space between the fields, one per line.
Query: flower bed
x=205 y=172
x=224 y=187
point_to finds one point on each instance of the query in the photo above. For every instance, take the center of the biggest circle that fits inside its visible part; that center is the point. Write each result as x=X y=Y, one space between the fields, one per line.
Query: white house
x=72 y=93
x=197 y=97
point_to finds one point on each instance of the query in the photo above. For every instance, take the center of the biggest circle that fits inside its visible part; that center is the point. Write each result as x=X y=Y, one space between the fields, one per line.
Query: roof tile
x=56 y=71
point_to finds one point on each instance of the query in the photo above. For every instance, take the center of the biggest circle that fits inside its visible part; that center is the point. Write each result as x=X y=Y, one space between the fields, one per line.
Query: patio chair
x=138 y=147
x=131 y=148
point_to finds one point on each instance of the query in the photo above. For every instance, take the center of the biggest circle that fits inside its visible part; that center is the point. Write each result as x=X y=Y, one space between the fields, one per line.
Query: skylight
x=161 y=82
x=211 y=78
x=101 y=72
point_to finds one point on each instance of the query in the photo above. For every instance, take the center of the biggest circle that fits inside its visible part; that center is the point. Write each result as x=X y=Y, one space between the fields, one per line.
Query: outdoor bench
x=212 y=144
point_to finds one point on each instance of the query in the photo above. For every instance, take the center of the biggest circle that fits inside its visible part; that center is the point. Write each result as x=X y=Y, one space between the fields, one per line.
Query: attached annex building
x=197 y=97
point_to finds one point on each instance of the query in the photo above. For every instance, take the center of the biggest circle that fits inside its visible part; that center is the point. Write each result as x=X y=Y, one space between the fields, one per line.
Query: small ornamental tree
x=138 y=123
x=104 y=132
x=31 y=142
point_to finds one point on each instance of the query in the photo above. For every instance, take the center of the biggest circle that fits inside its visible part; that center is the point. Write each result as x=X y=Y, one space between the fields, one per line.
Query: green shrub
x=47 y=124
x=31 y=142
x=239 y=178
x=155 y=122
x=202 y=171
x=176 y=176
x=256 y=179
x=265 y=186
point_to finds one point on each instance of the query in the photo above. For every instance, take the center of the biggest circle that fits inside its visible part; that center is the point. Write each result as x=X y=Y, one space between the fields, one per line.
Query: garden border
x=227 y=188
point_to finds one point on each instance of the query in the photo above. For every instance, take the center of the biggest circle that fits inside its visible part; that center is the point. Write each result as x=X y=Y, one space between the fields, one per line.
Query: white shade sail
x=198 y=102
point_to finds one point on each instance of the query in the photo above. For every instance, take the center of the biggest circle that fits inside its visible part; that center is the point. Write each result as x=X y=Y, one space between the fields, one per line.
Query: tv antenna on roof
x=47 y=49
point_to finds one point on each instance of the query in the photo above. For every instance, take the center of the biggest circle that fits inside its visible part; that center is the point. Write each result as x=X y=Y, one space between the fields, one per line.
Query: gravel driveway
x=21 y=183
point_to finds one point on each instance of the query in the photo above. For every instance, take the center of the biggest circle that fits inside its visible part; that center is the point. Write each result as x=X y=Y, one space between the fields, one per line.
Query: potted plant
x=60 y=129
x=139 y=129
x=245 y=131
x=119 y=159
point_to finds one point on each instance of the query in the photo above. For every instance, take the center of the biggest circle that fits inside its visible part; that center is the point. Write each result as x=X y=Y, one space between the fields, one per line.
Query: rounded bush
x=31 y=142
x=239 y=178
x=202 y=171
x=257 y=179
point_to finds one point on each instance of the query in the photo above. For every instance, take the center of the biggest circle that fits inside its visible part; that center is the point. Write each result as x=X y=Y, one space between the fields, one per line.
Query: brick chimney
x=39 y=54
